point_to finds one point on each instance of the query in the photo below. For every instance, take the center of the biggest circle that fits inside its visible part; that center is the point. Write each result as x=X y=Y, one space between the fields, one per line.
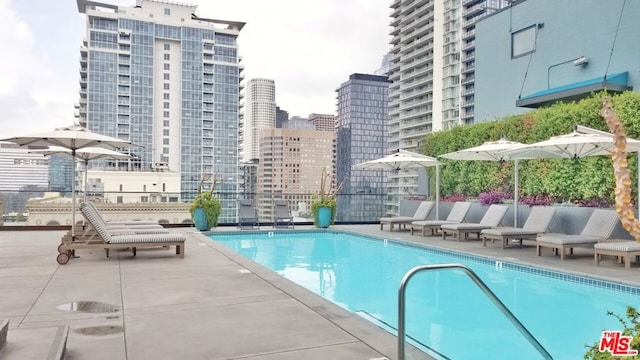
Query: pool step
x=48 y=343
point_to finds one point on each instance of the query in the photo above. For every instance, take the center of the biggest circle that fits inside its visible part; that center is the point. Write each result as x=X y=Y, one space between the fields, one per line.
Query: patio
x=213 y=304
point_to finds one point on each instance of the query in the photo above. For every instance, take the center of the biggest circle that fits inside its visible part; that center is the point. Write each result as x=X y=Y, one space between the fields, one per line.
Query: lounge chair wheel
x=62 y=258
x=60 y=248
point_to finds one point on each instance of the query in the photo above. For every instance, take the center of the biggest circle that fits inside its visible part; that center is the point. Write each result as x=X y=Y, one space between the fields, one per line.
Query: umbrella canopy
x=72 y=138
x=575 y=145
x=404 y=159
x=492 y=151
x=86 y=154
x=489 y=151
x=582 y=142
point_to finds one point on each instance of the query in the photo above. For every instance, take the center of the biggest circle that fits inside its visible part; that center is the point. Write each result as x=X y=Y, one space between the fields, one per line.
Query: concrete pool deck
x=213 y=304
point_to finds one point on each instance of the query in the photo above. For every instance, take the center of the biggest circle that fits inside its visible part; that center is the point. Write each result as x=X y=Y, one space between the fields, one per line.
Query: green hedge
x=566 y=179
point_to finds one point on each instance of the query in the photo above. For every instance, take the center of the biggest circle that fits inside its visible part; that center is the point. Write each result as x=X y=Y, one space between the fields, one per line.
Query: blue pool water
x=446 y=312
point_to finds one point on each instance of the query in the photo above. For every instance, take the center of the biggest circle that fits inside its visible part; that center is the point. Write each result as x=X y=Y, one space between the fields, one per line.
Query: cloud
x=32 y=93
x=308 y=47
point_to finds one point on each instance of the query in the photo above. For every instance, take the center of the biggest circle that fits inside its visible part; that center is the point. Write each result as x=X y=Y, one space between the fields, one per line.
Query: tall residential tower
x=165 y=79
x=433 y=47
x=361 y=136
x=260 y=113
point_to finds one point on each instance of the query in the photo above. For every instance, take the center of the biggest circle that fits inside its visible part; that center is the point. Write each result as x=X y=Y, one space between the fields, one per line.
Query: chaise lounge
x=247 y=215
x=599 y=227
x=491 y=218
x=282 y=217
x=537 y=223
x=456 y=215
x=624 y=250
x=123 y=240
x=421 y=214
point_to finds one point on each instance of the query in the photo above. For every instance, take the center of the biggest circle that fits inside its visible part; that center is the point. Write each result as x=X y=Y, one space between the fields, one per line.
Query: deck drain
x=88 y=307
x=100 y=330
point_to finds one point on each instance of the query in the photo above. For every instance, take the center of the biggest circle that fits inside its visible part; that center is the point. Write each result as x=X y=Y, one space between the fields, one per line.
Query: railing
x=485 y=289
x=47 y=207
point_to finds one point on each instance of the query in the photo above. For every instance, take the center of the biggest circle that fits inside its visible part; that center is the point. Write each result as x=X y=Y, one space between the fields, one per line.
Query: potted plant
x=323 y=206
x=205 y=208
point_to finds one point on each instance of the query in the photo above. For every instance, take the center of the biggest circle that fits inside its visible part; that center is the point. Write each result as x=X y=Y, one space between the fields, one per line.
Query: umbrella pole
x=437 y=192
x=516 y=194
x=73 y=196
x=86 y=171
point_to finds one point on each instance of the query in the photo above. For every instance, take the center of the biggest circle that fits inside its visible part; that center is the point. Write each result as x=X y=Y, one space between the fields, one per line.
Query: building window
x=166 y=76
x=166 y=56
x=165 y=132
x=167 y=11
x=165 y=96
x=165 y=105
x=523 y=41
x=166 y=114
x=166 y=66
x=165 y=123
x=166 y=86
x=165 y=141
x=167 y=46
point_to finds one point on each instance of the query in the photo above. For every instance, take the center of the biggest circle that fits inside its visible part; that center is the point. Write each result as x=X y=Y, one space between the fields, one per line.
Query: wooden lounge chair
x=599 y=227
x=537 y=223
x=247 y=215
x=624 y=250
x=456 y=215
x=491 y=218
x=121 y=241
x=282 y=215
x=421 y=214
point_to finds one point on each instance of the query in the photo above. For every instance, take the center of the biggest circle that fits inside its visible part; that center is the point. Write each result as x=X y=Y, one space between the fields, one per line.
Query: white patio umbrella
x=492 y=151
x=73 y=138
x=85 y=154
x=404 y=159
x=582 y=142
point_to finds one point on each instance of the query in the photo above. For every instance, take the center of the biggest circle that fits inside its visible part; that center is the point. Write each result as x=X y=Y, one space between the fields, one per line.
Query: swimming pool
x=445 y=311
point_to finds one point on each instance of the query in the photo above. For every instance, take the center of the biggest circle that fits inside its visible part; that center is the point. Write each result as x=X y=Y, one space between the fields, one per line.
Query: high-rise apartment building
x=361 y=136
x=290 y=167
x=433 y=47
x=168 y=80
x=282 y=116
x=323 y=122
x=22 y=175
x=260 y=113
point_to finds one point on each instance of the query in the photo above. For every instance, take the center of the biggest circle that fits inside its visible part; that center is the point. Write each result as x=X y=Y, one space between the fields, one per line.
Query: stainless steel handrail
x=494 y=299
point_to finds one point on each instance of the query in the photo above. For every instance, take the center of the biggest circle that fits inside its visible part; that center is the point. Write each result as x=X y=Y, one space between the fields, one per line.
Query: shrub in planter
x=325 y=198
x=207 y=203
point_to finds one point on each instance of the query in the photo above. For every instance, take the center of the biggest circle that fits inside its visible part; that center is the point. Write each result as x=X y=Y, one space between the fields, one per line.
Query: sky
x=308 y=47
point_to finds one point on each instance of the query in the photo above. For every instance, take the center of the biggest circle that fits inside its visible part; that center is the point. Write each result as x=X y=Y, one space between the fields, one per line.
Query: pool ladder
x=494 y=299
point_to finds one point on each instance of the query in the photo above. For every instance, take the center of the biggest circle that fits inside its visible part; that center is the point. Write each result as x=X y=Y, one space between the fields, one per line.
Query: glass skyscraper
x=361 y=127
x=165 y=79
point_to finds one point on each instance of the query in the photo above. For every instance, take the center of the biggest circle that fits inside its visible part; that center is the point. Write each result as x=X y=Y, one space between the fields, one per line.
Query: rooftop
x=214 y=303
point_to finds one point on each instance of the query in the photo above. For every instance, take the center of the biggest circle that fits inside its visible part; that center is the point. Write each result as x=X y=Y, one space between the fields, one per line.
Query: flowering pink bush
x=533 y=200
x=493 y=197
x=599 y=203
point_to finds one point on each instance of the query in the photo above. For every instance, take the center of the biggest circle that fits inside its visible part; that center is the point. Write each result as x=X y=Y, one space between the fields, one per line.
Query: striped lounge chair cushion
x=148 y=238
x=568 y=239
x=622 y=246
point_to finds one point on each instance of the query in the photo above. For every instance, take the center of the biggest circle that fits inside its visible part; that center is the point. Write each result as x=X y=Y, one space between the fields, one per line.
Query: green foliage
x=211 y=206
x=631 y=327
x=323 y=202
x=567 y=180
